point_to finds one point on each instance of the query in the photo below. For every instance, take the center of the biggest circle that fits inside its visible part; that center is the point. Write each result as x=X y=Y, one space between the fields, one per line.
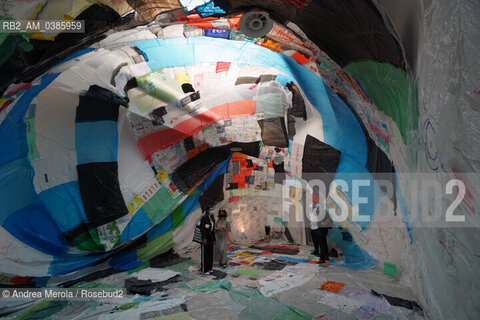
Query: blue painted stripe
x=283 y=80
x=137 y=226
x=34 y=226
x=96 y=141
x=160 y=229
x=125 y=261
x=67 y=263
x=65 y=205
x=355 y=257
x=292 y=259
x=190 y=204
x=351 y=137
x=208 y=9
x=16 y=187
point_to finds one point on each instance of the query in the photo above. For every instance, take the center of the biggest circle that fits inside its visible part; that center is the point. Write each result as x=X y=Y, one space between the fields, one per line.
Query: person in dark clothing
x=315 y=231
x=316 y=241
x=319 y=225
x=207 y=225
x=323 y=226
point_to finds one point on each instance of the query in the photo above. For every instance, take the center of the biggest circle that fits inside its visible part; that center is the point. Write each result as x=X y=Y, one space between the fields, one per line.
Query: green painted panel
x=159 y=206
x=155 y=247
x=391 y=89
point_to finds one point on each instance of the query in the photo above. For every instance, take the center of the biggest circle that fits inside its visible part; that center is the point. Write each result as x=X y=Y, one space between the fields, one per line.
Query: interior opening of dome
x=118 y=141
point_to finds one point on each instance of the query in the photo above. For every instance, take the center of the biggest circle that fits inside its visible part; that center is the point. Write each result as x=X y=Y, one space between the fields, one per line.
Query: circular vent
x=256 y=24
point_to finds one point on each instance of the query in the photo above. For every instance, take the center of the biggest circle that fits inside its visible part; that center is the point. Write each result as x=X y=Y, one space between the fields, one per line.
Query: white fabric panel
x=288 y=278
x=55 y=122
x=271 y=87
x=173 y=31
x=386 y=239
x=55 y=170
x=99 y=70
x=196 y=74
x=253 y=71
x=154 y=274
x=20 y=258
x=212 y=96
x=136 y=313
x=95 y=60
x=126 y=36
x=126 y=51
x=134 y=172
x=182 y=236
x=312 y=127
x=191 y=31
x=213 y=80
x=73 y=81
x=79 y=74
x=108 y=63
x=73 y=62
x=94 y=68
x=215 y=98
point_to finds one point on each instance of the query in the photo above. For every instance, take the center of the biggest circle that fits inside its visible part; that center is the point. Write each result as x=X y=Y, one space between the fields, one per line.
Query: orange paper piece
x=332 y=286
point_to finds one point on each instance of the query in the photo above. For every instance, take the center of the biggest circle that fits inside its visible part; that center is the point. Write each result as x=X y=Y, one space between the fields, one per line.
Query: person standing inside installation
x=320 y=223
x=221 y=229
x=323 y=226
x=207 y=226
x=314 y=230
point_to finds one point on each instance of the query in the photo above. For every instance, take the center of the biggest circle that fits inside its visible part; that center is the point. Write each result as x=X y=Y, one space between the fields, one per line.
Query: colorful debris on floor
x=262 y=285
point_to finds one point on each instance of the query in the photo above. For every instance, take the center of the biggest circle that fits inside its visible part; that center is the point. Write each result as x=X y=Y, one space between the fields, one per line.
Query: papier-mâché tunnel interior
x=122 y=122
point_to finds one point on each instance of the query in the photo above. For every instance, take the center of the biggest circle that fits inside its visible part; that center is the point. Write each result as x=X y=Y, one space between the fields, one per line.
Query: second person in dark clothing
x=323 y=226
x=207 y=225
x=314 y=230
x=319 y=231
